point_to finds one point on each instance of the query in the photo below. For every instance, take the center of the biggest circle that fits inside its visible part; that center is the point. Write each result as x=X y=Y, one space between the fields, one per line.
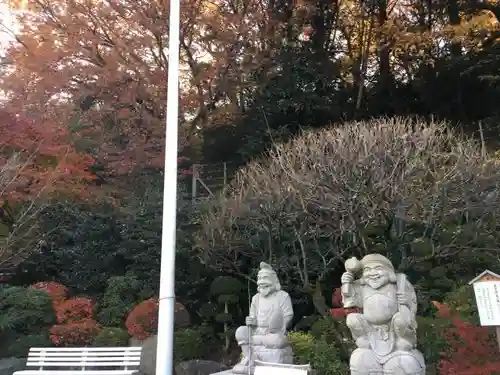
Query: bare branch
x=355 y=189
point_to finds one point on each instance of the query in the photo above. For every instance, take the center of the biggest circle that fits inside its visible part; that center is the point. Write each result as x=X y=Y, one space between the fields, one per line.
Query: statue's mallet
x=353 y=266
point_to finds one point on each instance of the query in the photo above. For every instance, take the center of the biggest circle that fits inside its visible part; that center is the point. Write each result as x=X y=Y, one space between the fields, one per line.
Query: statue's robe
x=262 y=309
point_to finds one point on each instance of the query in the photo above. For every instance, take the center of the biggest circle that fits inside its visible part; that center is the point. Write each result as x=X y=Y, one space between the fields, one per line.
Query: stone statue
x=264 y=337
x=386 y=330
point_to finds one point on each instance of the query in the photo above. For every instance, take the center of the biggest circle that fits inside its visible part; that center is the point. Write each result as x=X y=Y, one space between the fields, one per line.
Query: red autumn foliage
x=74 y=310
x=75 y=316
x=339 y=312
x=143 y=319
x=74 y=334
x=57 y=292
x=472 y=350
x=46 y=159
x=337 y=298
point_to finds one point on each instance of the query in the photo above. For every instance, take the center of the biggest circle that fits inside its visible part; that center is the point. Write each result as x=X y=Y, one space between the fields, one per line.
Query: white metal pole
x=165 y=348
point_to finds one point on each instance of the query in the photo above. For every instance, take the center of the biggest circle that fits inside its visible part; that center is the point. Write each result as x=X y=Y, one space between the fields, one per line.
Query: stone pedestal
x=227 y=372
x=303 y=368
x=284 y=355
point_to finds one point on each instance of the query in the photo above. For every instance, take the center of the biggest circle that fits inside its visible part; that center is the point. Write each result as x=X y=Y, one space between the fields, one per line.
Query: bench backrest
x=127 y=358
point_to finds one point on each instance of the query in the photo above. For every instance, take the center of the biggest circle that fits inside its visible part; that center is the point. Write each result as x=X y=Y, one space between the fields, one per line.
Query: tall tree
x=99 y=68
x=35 y=161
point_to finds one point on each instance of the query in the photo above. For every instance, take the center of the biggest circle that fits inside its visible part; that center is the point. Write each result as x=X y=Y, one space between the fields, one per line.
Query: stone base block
x=277 y=365
x=227 y=372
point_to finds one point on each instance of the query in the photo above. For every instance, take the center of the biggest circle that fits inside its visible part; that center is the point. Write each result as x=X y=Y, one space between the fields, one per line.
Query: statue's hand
x=401 y=298
x=347 y=278
x=251 y=321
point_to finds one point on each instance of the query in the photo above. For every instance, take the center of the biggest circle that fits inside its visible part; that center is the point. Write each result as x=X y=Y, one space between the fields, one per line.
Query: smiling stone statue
x=386 y=331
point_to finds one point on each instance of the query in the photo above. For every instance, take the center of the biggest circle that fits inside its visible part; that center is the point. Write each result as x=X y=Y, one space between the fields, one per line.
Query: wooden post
x=225 y=176
x=194 y=179
x=497 y=328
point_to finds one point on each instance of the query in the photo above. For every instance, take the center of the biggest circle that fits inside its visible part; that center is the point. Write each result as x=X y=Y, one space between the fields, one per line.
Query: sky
x=6 y=21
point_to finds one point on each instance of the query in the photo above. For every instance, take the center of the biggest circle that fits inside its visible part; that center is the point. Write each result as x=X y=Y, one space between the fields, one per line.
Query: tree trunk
x=385 y=78
x=454 y=19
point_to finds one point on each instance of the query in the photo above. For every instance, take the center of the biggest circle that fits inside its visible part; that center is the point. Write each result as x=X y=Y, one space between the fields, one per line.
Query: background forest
x=349 y=126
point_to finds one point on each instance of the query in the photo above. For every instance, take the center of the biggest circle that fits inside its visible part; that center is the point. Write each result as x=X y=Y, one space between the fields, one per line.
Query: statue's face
x=376 y=275
x=265 y=285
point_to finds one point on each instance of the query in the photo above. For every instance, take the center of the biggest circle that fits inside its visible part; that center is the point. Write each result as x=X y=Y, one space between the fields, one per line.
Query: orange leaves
x=75 y=316
x=75 y=334
x=143 y=319
x=46 y=161
x=107 y=53
x=77 y=326
x=442 y=309
x=115 y=52
x=75 y=310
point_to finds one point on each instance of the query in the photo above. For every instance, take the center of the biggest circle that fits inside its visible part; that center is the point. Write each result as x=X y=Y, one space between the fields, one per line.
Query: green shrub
x=19 y=345
x=25 y=310
x=463 y=301
x=111 y=336
x=336 y=333
x=332 y=330
x=431 y=341
x=227 y=290
x=120 y=297
x=322 y=356
x=193 y=343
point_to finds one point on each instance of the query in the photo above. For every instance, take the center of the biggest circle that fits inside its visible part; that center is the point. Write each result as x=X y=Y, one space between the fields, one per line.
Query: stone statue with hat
x=385 y=331
x=264 y=337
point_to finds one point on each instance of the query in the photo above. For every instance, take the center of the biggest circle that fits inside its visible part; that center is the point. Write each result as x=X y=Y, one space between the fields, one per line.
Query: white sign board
x=488 y=302
x=272 y=370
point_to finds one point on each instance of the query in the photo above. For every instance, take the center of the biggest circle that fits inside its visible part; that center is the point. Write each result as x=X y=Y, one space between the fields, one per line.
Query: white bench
x=87 y=361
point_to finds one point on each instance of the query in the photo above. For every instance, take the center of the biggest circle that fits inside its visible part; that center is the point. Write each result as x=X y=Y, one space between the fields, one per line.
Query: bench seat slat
x=91 y=354
x=72 y=354
x=84 y=364
x=68 y=361
x=72 y=372
x=78 y=355
x=80 y=358
x=92 y=349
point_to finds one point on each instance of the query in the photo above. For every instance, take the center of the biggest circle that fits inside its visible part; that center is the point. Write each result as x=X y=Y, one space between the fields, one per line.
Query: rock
x=199 y=367
x=10 y=365
x=135 y=342
x=192 y=367
x=182 y=319
x=148 y=356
